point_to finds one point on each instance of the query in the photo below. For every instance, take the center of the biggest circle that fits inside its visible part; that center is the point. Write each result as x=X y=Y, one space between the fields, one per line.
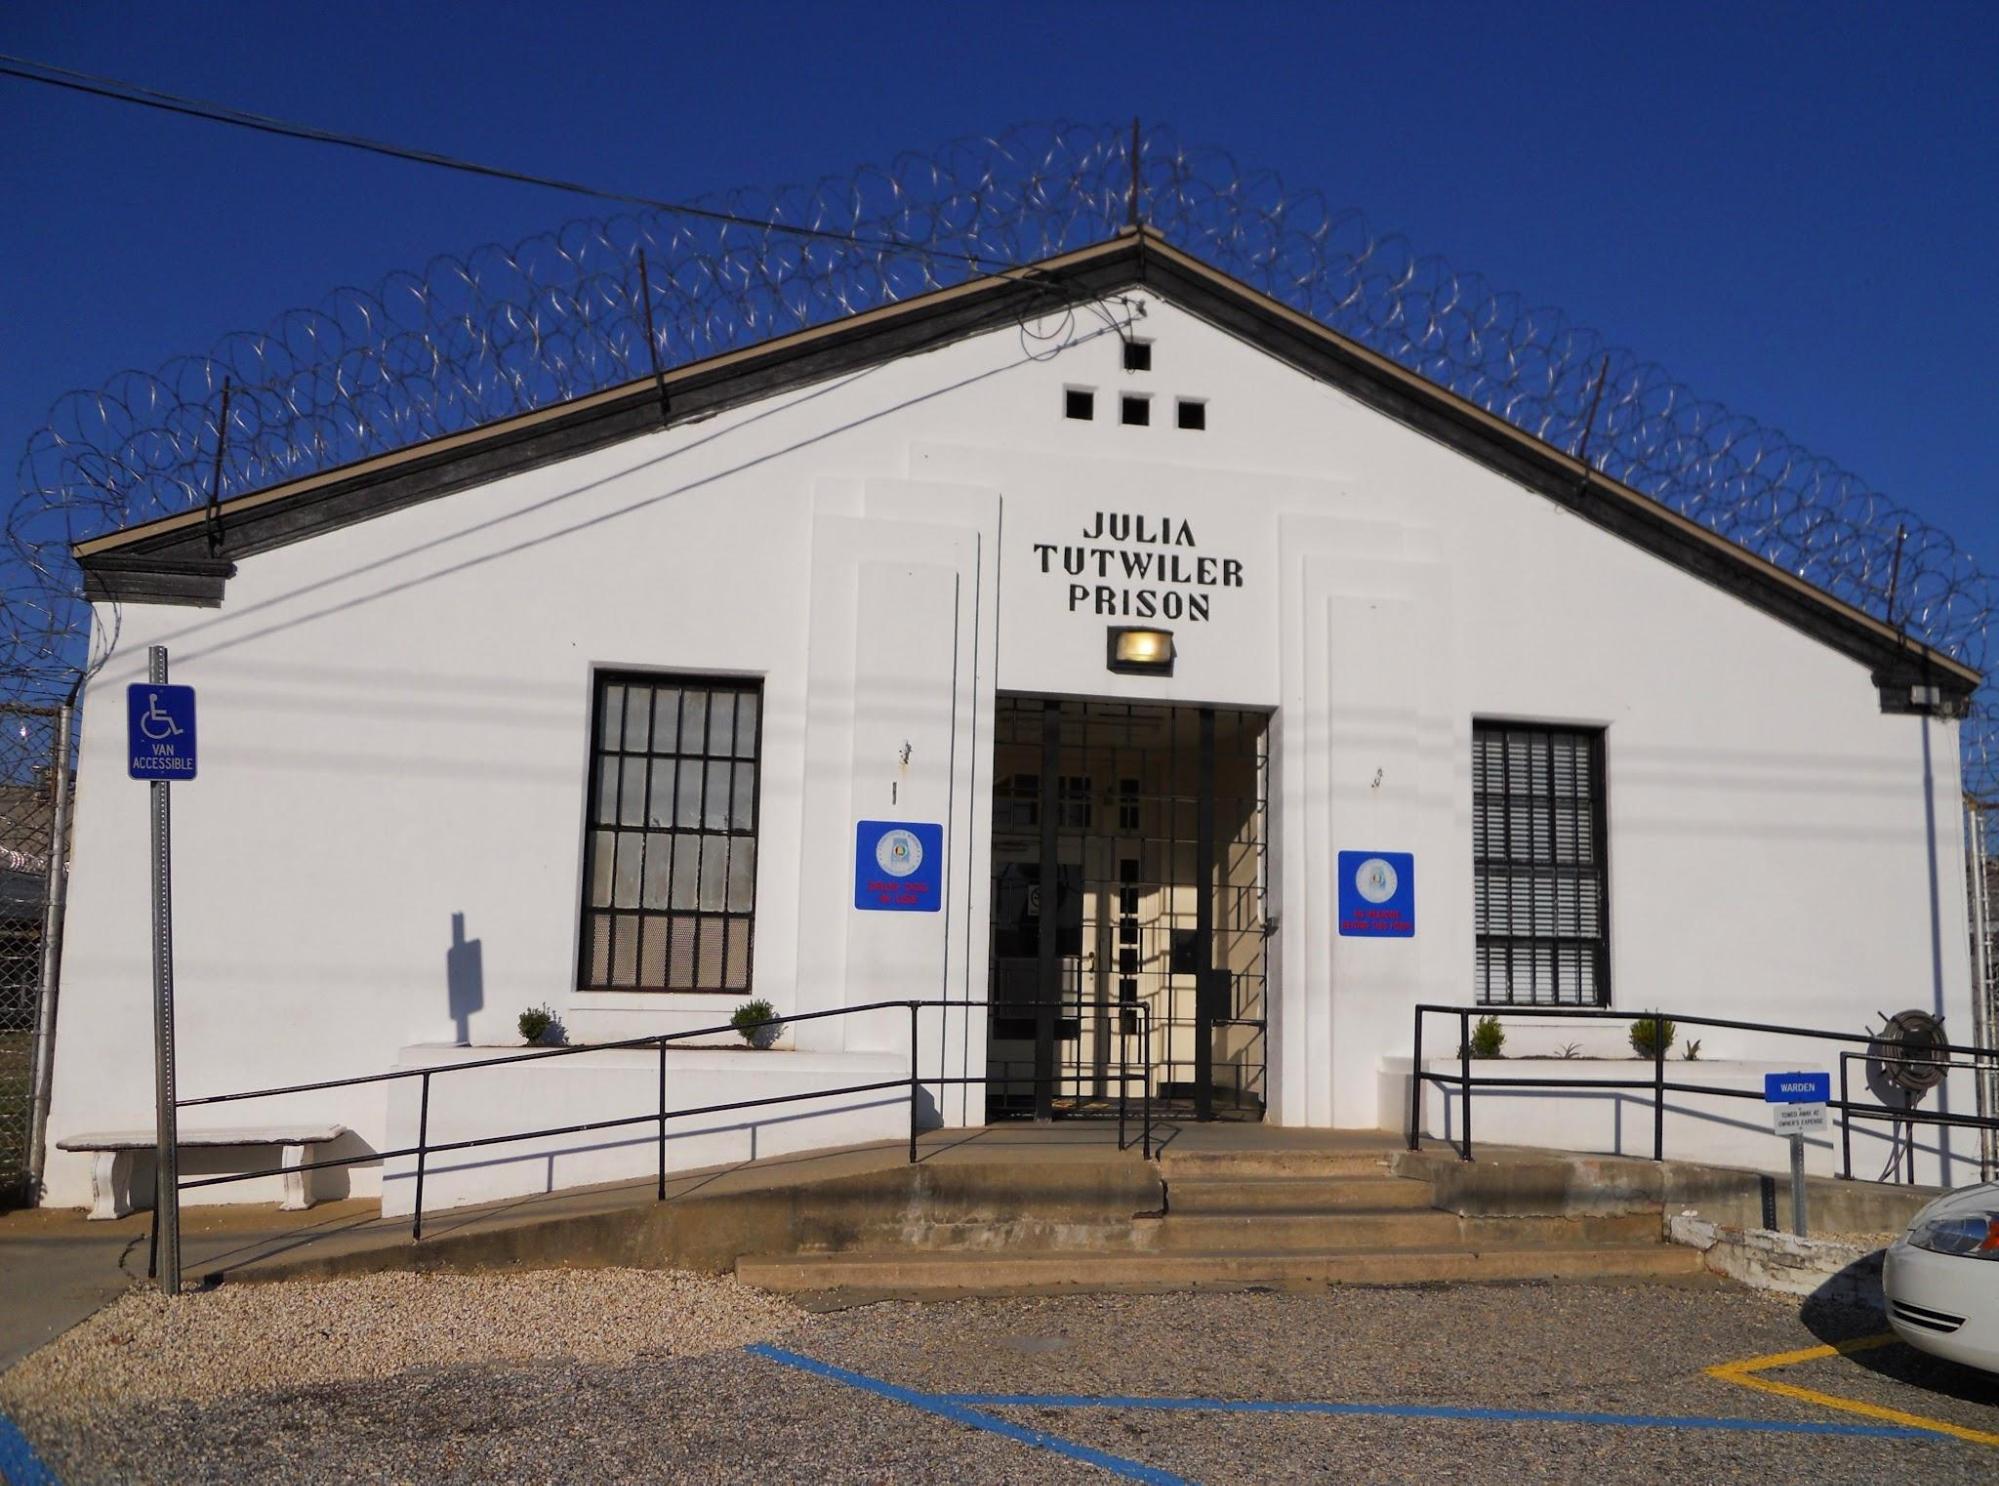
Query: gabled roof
x=170 y=560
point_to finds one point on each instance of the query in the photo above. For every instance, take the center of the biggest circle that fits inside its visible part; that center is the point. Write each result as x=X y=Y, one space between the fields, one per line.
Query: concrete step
x=938 y=1275
x=1294 y=1194
x=1217 y=1233
x=1257 y=1165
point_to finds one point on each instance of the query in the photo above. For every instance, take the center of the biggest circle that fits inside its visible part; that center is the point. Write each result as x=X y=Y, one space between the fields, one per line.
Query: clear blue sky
x=1792 y=207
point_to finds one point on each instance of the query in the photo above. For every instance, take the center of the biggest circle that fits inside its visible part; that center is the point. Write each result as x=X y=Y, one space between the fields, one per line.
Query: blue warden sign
x=159 y=723
x=1797 y=1088
x=1378 y=894
x=898 y=866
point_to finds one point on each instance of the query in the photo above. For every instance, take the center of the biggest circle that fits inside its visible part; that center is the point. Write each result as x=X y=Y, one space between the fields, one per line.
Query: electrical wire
x=29 y=70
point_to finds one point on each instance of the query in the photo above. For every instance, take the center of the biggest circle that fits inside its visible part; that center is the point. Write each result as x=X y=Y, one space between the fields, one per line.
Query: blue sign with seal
x=898 y=866
x=1797 y=1088
x=159 y=725
x=1377 y=894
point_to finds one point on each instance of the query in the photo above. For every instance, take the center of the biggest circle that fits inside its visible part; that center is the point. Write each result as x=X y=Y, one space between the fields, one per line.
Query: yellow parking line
x=1743 y=1372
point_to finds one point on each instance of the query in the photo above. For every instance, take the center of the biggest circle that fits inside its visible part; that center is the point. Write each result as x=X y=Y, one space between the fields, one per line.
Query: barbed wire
x=502 y=330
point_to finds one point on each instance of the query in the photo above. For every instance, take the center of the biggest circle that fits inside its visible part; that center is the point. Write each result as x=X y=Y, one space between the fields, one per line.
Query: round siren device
x=1910 y=1052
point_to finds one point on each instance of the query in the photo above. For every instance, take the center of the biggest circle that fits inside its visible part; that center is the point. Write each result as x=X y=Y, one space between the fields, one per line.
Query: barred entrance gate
x=1149 y=824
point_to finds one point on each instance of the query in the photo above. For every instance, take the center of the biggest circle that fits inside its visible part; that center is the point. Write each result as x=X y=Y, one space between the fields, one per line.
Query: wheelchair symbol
x=154 y=724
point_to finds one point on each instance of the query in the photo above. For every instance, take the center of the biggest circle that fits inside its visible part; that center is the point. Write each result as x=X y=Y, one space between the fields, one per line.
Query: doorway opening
x=1149 y=823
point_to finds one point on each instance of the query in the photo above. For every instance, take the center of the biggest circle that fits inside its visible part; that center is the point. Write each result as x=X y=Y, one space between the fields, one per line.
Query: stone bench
x=111 y=1171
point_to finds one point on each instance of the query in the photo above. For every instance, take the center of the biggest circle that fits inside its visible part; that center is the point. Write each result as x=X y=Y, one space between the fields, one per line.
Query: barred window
x=670 y=872
x=1539 y=901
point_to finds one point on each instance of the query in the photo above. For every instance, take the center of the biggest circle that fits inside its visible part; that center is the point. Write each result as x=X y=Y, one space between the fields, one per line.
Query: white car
x=1942 y=1278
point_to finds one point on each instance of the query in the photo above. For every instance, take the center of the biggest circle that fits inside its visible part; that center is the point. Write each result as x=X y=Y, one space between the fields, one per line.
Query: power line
x=49 y=75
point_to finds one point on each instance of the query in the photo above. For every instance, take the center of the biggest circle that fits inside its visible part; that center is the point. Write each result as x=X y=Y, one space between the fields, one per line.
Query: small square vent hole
x=1138 y=355
x=1136 y=410
x=1193 y=414
x=1079 y=403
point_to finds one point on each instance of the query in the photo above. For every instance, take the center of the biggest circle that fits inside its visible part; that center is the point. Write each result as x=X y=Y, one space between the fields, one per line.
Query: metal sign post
x=160 y=731
x=1797 y=1105
x=1798 y=1185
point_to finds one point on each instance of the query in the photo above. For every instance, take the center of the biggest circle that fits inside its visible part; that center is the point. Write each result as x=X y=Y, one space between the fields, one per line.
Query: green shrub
x=1652 y=1037
x=1487 y=1038
x=535 y=1022
x=756 y=1022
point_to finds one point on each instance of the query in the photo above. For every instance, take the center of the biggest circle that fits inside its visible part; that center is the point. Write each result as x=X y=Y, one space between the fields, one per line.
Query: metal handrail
x=914 y=1083
x=1658 y=1083
x=1909 y=1115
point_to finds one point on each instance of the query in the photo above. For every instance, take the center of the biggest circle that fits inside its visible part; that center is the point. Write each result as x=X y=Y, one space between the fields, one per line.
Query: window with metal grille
x=1540 y=906
x=670 y=875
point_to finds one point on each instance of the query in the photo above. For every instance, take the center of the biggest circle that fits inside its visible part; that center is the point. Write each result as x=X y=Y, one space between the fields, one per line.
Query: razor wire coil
x=501 y=330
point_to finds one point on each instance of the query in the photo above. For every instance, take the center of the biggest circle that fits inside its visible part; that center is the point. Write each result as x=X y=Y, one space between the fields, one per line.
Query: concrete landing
x=1312 y=1206
x=1239 y=1209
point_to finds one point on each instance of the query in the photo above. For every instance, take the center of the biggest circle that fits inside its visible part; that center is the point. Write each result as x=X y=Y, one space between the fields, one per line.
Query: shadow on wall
x=464 y=979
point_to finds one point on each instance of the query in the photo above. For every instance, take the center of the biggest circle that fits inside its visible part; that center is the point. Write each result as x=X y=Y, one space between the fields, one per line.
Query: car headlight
x=1974 y=1235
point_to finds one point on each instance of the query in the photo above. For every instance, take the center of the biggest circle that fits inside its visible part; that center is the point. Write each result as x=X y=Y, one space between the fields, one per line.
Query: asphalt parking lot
x=1582 y=1382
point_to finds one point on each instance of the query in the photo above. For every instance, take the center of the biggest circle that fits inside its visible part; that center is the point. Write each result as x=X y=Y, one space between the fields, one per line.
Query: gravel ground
x=145 y=1347
x=633 y=1393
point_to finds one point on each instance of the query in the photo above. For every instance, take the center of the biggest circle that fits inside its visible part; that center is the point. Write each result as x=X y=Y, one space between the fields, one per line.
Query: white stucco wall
x=394 y=730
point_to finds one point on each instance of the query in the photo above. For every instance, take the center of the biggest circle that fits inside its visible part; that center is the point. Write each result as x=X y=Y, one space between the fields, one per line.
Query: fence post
x=1658 y=1088
x=914 y=1087
x=662 y=1120
x=1464 y=1076
x=1416 y=1083
x=1845 y=1122
x=57 y=880
x=422 y=1141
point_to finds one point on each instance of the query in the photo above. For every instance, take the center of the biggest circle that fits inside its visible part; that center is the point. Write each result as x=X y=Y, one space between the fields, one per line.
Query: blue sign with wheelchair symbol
x=159 y=725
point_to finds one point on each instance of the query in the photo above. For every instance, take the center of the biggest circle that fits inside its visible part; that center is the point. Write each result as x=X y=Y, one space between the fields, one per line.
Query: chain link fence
x=1981 y=819
x=33 y=822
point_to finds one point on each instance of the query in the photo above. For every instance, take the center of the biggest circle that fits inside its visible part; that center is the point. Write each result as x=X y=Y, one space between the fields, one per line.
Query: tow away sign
x=1797 y=1119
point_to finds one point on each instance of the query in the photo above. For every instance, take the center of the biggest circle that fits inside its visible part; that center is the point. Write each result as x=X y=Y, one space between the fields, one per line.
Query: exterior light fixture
x=1140 y=652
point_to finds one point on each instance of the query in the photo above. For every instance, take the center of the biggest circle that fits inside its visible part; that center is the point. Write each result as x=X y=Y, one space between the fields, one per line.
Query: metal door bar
x=1048 y=985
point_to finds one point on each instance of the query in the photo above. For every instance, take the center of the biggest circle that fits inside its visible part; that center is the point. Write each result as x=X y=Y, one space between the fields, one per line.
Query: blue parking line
x=1423 y=1411
x=19 y=1464
x=930 y=1403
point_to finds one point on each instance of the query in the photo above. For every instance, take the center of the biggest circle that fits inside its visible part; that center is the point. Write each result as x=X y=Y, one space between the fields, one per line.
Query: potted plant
x=757 y=1023
x=1652 y=1037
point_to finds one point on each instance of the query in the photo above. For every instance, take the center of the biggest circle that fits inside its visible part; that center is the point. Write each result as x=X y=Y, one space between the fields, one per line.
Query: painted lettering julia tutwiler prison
x=1171 y=584
x=586 y=711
